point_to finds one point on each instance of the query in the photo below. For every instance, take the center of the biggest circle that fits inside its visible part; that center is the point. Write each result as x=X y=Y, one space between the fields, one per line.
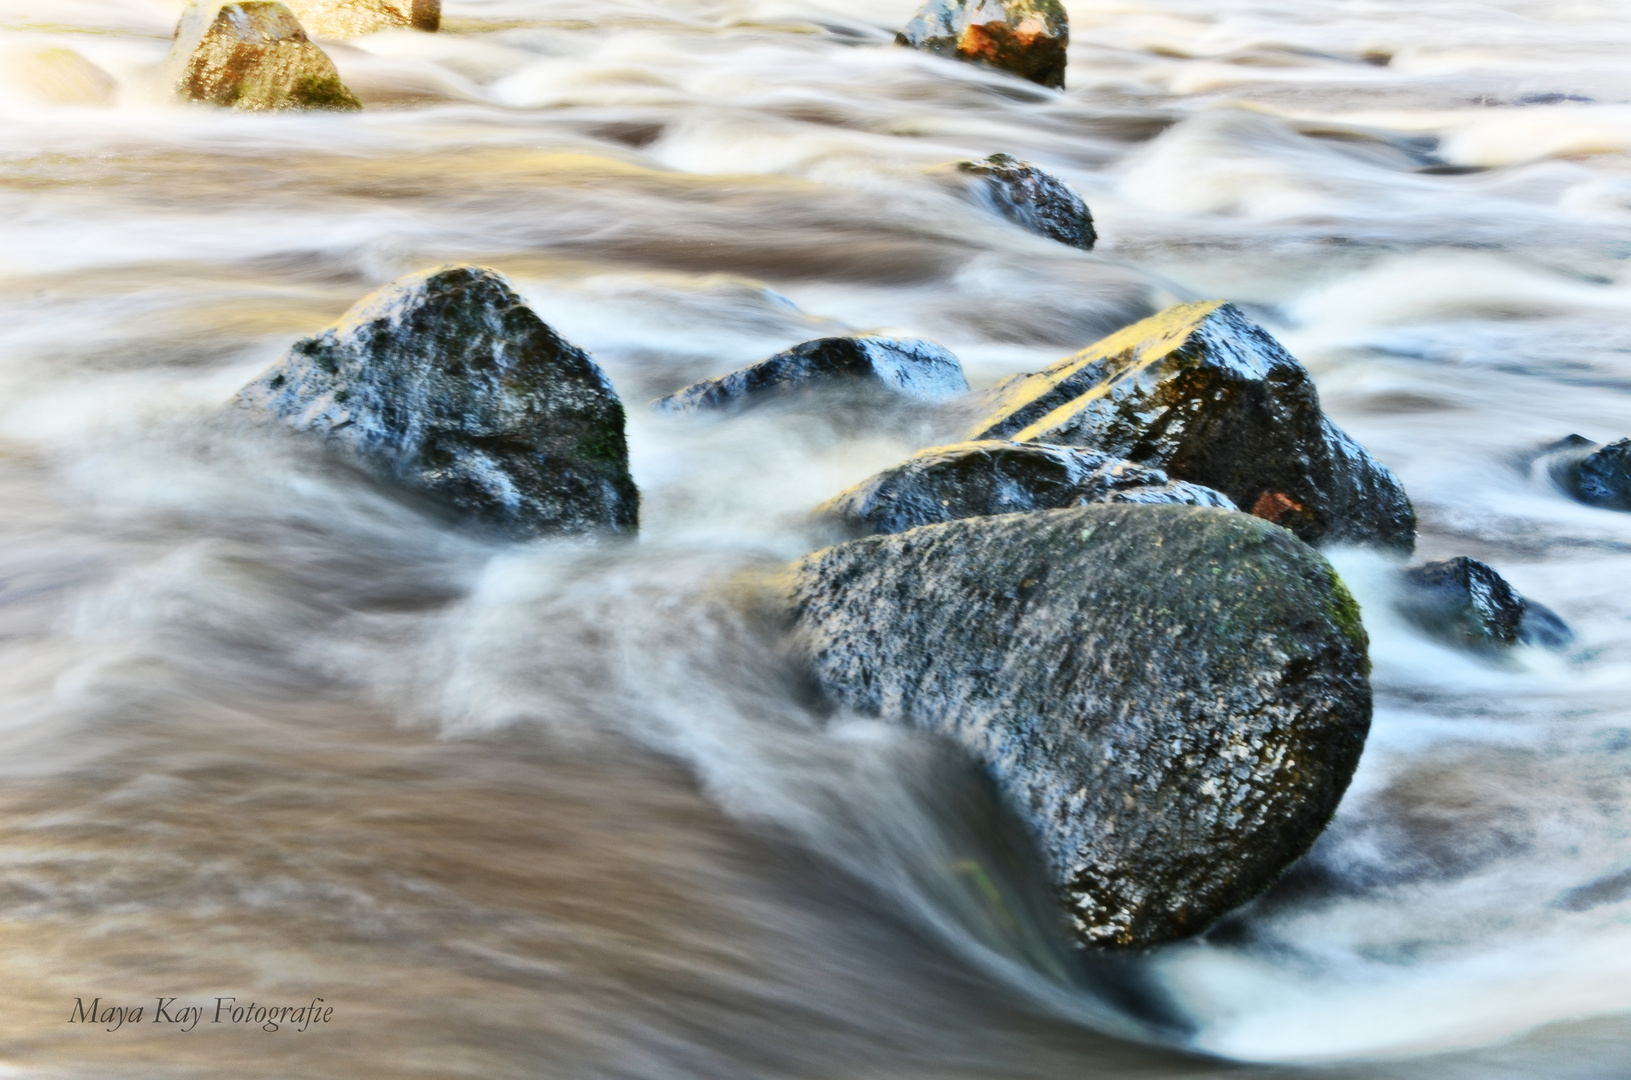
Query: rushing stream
x=555 y=810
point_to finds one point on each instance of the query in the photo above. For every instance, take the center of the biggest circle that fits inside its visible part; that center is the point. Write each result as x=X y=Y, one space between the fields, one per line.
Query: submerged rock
x=1465 y=602
x=1202 y=392
x=1036 y=200
x=447 y=383
x=976 y=479
x=1173 y=697
x=253 y=55
x=1026 y=37
x=919 y=370
x=63 y=77
x=1595 y=475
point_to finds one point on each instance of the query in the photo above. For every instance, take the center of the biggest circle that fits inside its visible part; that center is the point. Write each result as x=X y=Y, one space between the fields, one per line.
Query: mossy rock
x=1174 y=698
x=253 y=55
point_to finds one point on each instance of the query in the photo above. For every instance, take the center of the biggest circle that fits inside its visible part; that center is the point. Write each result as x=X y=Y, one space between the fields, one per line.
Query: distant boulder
x=346 y=18
x=1026 y=37
x=1205 y=394
x=1466 y=602
x=253 y=55
x=976 y=479
x=447 y=383
x=1035 y=200
x=1174 y=698
x=917 y=370
x=1594 y=474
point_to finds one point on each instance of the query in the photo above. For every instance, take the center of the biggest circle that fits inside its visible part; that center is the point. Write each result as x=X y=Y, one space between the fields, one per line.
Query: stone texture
x=1034 y=199
x=1205 y=394
x=1595 y=475
x=347 y=18
x=1026 y=37
x=253 y=55
x=1173 y=697
x=917 y=370
x=1466 y=602
x=976 y=479
x=447 y=383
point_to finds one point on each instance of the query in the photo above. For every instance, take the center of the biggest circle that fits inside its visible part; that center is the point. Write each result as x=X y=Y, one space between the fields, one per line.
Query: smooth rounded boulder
x=1204 y=393
x=1026 y=37
x=1034 y=199
x=977 y=479
x=447 y=383
x=253 y=55
x=1174 y=698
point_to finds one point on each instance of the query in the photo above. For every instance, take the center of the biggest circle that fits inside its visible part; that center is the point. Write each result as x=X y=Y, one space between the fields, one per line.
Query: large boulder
x=253 y=55
x=1173 y=697
x=1026 y=37
x=1207 y=395
x=975 y=479
x=916 y=370
x=1467 y=603
x=447 y=383
x=1034 y=199
x=1594 y=474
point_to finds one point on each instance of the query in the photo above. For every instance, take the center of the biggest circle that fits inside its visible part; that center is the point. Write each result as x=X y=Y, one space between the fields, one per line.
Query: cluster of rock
x=256 y=55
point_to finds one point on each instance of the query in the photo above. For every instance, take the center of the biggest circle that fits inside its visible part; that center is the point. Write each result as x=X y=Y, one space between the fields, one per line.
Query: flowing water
x=557 y=809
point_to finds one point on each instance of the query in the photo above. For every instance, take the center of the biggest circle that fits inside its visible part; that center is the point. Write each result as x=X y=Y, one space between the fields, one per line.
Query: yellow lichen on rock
x=253 y=55
x=346 y=18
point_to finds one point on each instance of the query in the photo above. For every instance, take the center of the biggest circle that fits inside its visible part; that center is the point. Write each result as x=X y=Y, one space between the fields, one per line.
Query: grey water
x=558 y=809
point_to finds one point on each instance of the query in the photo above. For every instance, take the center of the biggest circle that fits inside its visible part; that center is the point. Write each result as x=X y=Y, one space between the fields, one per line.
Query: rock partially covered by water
x=1026 y=37
x=1466 y=602
x=1174 y=698
x=1034 y=199
x=976 y=479
x=1594 y=474
x=253 y=55
x=918 y=370
x=1202 y=392
x=349 y=18
x=447 y=383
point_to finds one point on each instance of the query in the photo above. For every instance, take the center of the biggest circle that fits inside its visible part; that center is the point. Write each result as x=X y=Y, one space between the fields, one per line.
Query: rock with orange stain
x=1026 y=37
x=1208 y=396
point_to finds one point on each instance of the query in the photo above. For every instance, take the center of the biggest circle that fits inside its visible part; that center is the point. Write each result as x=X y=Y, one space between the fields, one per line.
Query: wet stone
x=445 y=382
x=1211 y=398
x=1467 y=603
x=914 y=370
x=977 y=479
x=1026 y=37
x=1034 y=199
x=253 y=55
x=1173 y=698
x=1593 y=474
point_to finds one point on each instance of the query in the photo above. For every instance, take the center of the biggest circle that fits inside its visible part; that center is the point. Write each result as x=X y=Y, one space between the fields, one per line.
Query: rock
x=1036 y=200
x=1203 y=393
x=447 y=383
x=1465 y=602
x=253 y=55
x=919 y=370
x=976 y=479
x=1595 y=475
x=346 y=18
x=1172 y=697
x=1026 y=37
x=62 y=77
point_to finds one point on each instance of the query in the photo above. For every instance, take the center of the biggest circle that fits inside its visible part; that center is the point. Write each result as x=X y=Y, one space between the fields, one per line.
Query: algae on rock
x=253 y=55
x=1174 y=698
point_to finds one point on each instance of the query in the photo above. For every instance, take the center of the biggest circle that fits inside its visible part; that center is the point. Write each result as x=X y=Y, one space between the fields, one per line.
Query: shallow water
x=557 y=809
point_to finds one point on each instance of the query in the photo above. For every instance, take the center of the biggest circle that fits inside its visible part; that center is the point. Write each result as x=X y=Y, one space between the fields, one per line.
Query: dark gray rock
x=977 y=479
x=1034 y=199
x=1026 y=37
x=447 y=383
x=916 y=370
x=252 y=55
x=1205 y=394
x=1465 y=602
x=1595 y=475
x=1173 y=697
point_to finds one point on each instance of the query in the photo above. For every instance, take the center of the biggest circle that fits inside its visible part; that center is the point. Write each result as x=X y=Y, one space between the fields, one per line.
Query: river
x=554 y=809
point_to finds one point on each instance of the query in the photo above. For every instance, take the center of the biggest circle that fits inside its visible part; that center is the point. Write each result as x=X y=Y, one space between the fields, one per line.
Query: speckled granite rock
x=1034 y=199
x=1026 y=37
x=447 y=383
x=1466 y=602
x=1202 y=392
x=977 y=479
x=349 y=18
x=1174 y=698
x=1595 y=475
x=919 y=370
x=252 y=55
